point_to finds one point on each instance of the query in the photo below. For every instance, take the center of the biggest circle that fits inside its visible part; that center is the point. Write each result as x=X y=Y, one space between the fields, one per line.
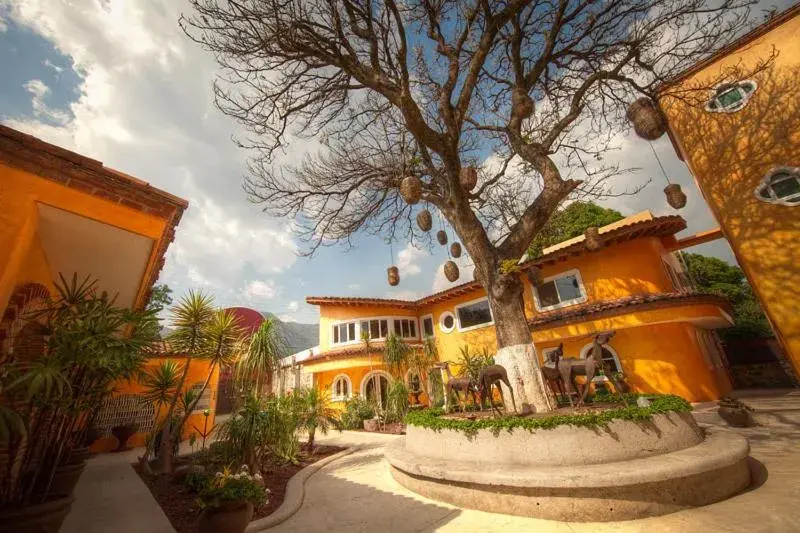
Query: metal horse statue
x=552 y=375
x=570 y=368
x=454 y=385
x=493 y=375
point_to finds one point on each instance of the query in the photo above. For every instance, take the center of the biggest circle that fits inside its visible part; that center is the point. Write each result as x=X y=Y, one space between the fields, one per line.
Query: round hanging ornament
x=675 y=196
x=424 y=220
x=441 y=236
x=468 y=178
x=648 y=121
x=394 y=275
x=592 y=239
x=455 y=249
x=411 y=189
x=451 y=271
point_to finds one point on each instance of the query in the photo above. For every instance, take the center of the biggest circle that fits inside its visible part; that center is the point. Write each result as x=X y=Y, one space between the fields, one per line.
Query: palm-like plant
x=395 y=354
x=421 y=361
x=316 y=413
x=160 y=384
x=262 y=357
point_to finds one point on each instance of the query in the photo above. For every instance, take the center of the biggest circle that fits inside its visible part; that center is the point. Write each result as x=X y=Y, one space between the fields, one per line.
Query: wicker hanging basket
x=468 y=178
x=441 y=236
x=455 y=249
x=534 y=275
x=648 y=121
x=451 y=271
x=424 y=220
x=394 y=275
x=675 y=196
x=411 y=189
x=592 y=242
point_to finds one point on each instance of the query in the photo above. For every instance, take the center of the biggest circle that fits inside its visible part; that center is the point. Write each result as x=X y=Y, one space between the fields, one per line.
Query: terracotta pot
x=370 y=424
x=232 y=517
x=65 y=478
x=424 y=220
x=648 y=121
x=411 y=189
x=44 y=517
x=393 y=273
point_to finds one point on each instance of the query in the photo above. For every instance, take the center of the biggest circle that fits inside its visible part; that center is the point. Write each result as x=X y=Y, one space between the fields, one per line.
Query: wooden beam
x=698 y=238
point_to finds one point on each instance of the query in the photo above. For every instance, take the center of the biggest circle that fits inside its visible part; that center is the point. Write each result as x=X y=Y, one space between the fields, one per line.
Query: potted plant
x=75 y=347
x=227 y=501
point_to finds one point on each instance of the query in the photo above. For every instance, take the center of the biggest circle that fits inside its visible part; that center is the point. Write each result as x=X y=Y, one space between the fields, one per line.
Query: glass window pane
x=364 y=327
x=413 y=325
x=335 y=334
x=397 y=328
x=384 y=328
x=351 y=330
x=427 y=326
x=547 y=294
x=784 y=185
x=730 y=98
x=475 y=314
x=568 y=288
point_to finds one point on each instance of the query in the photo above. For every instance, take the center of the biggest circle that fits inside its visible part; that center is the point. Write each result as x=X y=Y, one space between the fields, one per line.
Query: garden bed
x=180 y=506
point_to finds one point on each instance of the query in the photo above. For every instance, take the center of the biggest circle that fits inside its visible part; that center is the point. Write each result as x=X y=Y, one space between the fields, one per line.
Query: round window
x=447 y=322
x=780 y=186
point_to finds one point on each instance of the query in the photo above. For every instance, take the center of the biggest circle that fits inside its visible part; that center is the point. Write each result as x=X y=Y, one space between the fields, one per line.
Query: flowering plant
x=225 y=487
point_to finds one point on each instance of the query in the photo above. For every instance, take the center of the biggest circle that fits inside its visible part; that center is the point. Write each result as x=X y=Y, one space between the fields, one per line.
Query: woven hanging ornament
x=424 y=220
x=393 y=274
x=451 y=271
x=441 y=236
x=675 y=196
x=648 y=121
x=411 y=189
x=592 y=239
x=455 y=250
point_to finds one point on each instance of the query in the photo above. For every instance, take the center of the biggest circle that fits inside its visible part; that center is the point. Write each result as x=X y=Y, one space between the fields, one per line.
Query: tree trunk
x=311 y=433
x=515 y=350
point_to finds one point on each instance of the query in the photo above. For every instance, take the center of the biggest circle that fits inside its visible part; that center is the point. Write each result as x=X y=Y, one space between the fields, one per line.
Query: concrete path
x=357 y=493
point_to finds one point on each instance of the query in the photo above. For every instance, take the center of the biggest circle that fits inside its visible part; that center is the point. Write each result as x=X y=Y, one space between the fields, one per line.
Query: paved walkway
x=357 y=493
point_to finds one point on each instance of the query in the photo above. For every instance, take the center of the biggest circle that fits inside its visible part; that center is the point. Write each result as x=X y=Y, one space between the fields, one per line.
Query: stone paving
x=357 y=493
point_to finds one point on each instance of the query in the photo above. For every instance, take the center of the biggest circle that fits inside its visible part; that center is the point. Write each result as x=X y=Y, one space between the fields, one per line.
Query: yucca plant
x=261 y=357
x=395 y=354
x=316 y=413
x=160 y=384
x=421 y=361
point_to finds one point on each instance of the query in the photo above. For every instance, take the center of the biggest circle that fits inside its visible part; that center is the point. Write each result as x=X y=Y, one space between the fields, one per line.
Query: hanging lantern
x=534 y=275
x=441 y=236
x=675 y=196
x=411 y=189
x=451 y=271
x=424 y=220
x=455 y=250
x=394 y=275
x=648 y=121
x=468 y=178
x=592 y=239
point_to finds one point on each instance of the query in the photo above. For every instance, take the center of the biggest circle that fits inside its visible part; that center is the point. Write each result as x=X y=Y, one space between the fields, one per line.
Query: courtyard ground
x=357 y=493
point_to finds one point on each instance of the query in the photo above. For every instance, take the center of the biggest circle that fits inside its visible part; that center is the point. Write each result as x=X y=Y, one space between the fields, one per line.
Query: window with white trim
x=376 y=328
x=780 y=186
x=731 y=97
x=405 y=327
x=341 y=388
x=559 y=291
x=475 y=314
x=344 y=332
x=447 y=321
x=427 y=326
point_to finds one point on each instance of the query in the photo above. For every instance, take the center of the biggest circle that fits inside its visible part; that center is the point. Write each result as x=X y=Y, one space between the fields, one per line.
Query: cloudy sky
x=116 y=80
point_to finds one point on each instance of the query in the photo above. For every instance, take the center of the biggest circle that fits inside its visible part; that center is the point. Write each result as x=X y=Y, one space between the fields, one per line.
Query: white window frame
x=390 y=328
x=585 y=352
x=766 y=183
x=357 y=332
x=478 y=326
x=742 y=103
x=566 y=303
x=422 y=329
x=442 y=327
x=334 y=397
x=409 y=318
x=370 y=375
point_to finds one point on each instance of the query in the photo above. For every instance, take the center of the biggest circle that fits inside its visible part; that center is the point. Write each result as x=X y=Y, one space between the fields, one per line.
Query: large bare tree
x=426 y=87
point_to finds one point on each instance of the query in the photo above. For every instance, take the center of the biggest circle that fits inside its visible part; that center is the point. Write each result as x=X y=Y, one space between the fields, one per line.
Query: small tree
x=160 y=385
x=262 y=357
x=316 y=413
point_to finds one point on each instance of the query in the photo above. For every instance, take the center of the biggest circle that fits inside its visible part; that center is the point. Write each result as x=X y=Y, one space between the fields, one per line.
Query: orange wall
x=198 y=372
x=730 y=153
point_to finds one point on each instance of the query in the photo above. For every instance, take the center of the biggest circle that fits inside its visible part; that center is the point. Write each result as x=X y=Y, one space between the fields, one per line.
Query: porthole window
x=781 y=186
x=447 y=322
x=731 y=97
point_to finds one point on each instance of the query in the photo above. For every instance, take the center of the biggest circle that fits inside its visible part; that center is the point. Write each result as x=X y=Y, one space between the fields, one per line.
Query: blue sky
x=117 y=80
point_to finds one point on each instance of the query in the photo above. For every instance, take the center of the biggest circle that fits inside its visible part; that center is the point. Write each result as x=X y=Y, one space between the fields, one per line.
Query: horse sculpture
x=570 y=368
x=493 y=375
x=552 y=375
x=455 y=384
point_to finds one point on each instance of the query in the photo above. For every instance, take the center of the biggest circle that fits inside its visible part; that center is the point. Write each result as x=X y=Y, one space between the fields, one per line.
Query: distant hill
x=297 y=336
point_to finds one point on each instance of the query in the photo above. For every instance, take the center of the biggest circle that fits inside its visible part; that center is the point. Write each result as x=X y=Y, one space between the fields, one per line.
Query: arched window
x=609 y=357
x=780 y=186
x=375 y=387
x=731 y=97
x=341 y=388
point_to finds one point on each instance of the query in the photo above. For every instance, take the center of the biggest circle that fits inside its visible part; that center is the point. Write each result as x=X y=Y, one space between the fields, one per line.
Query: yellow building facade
x=634 y=285
x=734 y=119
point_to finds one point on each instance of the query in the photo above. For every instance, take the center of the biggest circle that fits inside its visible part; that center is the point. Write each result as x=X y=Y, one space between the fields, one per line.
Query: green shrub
x=396 y=402
x=196 y=481
x=356 y=410
x=224 y=487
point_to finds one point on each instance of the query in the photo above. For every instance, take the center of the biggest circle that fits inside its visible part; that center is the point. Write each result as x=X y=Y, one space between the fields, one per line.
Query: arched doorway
x=375 y=387
x=610 y=358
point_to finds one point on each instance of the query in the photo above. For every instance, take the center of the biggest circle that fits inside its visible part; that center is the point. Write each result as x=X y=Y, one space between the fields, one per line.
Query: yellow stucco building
x=634 y=285
x=735 y=121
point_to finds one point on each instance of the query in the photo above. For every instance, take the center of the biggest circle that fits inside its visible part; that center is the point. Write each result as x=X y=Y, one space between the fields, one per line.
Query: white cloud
x=39 y=92
x=354 y=286
x=3 y=25
x=259 y=291
x=49 y=64
x=403 y=295
x=408 y=259
x=293 y=305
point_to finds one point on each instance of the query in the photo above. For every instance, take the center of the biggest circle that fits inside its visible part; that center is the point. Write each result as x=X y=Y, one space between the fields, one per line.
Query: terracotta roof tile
x=339 y=353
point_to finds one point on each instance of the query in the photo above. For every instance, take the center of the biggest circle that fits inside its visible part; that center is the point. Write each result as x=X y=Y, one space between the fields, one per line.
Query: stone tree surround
x=624 y=470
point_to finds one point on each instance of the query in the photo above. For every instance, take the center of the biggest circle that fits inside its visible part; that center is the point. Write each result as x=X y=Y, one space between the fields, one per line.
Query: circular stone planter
x=622 y=471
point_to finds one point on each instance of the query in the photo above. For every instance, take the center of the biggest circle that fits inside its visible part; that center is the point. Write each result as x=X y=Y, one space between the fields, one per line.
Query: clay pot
x=371 y=424
x=455 y=249
x=411 y=189
x=441 y=236
x=393 y=274
x=451 y=271
x=648 y=121
x=231 y=517
x=592 y=239
x=44 y=517
x=123 y=433
x=468 y=178
x=424 y=220
x=65 y=478
x=675 y=196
